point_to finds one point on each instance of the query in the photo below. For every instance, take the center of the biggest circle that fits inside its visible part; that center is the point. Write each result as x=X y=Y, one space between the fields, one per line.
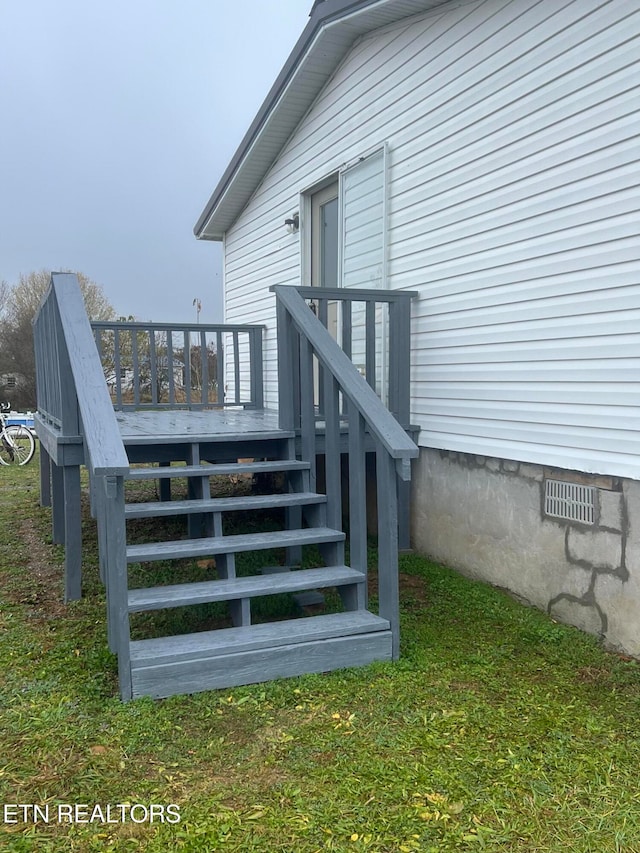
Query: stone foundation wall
x=485 y=517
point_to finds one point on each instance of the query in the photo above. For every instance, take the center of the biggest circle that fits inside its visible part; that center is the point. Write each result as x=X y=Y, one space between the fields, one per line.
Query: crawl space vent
x=570 y=501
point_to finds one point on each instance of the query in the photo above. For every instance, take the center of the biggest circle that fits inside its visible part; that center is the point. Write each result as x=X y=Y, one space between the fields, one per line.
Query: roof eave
x=333 y=27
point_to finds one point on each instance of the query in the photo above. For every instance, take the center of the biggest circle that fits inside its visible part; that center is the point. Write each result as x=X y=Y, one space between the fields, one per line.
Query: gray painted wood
x=72 y=533
x=116 y=574
x=57 y=497
x=264 y=636
x=156 y=342
x=102 y=437
x=388 y=592
x=357 y=492
x=263 y=665
x=45 y=477
x=211 y=546
x=380 y=421
x=332 y=454
x=307 y=410
x=179 y=595
x=173 y=425
x=244 y=502
x=214 y=470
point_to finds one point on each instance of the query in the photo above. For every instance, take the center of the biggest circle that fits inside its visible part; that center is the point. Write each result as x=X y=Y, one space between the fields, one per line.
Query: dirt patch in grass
x=593 y=674
x=414 y=591
x=40 y=584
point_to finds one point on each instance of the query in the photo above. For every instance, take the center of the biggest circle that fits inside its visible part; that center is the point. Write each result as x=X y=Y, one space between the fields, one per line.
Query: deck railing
x=308 y=355
x=373 y=327
x=72 y=395
x=177 y=366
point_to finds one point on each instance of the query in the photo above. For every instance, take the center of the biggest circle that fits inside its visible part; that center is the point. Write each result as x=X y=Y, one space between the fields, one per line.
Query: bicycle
x=17 y=444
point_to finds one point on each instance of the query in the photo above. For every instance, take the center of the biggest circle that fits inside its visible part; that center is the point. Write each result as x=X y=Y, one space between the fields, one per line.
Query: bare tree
x=4 y=289
x=18 y=308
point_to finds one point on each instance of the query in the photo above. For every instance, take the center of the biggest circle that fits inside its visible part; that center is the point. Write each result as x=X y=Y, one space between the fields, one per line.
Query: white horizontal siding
x=513 y=131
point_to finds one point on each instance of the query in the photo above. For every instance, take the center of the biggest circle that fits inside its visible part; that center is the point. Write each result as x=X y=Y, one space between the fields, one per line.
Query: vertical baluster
x=370 y=343
x=332 y=451
x=220 y=368
x=347 y=330
x=347 y=340
x=236 y=367
x=170 y=376
x=394 y=379
x=136 y=367
x=187 y=367
x=204 y=372
x=117 y=366
x=307 y=410
x=323 y=310
x=357 y=491
x=153 y=364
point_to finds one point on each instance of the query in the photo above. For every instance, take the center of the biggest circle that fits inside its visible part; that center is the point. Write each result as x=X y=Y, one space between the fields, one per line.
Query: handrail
x=302 y=337
x=379 y=419
x=70 y=377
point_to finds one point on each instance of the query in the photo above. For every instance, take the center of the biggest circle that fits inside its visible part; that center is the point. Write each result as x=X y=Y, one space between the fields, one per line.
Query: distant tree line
x=19 y=303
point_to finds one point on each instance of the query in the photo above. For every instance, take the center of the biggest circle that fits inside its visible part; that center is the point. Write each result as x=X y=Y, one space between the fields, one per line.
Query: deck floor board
x=178 y=425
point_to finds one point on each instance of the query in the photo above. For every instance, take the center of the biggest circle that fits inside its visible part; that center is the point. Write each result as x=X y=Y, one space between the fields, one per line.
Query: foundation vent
x=570 y=501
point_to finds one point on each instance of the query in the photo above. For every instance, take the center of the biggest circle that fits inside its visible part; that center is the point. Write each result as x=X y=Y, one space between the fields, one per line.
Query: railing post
x=286 y=391
x=116 y=579
x=400 y=359
x=255 y=362
x=388 y=595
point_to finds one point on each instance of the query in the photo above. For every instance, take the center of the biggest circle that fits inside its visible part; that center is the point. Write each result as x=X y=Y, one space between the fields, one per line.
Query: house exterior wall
x=511 y=128
x=487 y=519
x=512 y=210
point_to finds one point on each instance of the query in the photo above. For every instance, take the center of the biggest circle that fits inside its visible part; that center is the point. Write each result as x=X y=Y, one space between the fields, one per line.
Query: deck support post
x=72 y=533
x=388 y=594
x=45 y=477
x=57 y=498
x=404 y=515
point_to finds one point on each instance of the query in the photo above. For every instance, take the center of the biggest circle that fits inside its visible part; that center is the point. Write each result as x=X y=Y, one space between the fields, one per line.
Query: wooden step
x=231 y=656
x=179 y=595
x=271 y=465
x=247 y=502
x=209 y=546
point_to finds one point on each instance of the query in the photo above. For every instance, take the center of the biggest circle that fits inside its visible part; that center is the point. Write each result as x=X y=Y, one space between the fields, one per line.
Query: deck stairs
x=178 y=405
x=246 y=652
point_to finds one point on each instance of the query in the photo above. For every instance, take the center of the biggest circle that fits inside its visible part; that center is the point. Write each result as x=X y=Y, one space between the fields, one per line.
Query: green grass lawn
x=497 y=730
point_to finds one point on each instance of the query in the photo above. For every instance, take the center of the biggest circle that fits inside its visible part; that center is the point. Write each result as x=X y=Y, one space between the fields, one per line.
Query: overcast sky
x=116 y=121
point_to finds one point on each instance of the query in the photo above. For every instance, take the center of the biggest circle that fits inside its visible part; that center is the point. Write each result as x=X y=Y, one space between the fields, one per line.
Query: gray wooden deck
x=176 y=426
x=163 y=416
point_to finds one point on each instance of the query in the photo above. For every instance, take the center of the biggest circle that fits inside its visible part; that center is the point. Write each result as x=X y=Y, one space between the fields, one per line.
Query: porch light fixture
x=293 y=224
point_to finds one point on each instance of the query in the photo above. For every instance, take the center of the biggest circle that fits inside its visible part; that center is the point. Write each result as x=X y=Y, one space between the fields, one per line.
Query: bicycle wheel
x=17 y=446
